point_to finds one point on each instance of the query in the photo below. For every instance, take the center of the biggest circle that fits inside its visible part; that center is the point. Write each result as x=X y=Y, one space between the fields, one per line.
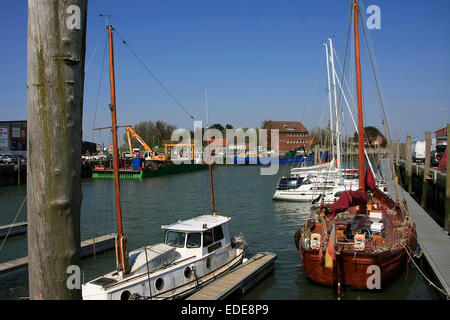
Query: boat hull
x=143 y=174
x=353 y=270
x=176 y=284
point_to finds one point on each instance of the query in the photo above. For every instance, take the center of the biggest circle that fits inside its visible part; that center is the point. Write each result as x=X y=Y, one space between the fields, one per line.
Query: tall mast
x=358 y=88
x=121 y=240
x=211 y=181
x=338 y=140
x=331 y=104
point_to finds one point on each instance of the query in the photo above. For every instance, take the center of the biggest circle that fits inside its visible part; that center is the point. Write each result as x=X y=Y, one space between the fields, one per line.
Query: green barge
x=143 y=173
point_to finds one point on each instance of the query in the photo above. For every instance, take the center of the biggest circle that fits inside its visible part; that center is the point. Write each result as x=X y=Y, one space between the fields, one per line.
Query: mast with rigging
x=358 y=89
x=337 y=130
x=211 y=181
x=122 y=262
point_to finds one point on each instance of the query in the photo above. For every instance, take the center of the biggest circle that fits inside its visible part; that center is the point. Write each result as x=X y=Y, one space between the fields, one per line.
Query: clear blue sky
x=258 y=60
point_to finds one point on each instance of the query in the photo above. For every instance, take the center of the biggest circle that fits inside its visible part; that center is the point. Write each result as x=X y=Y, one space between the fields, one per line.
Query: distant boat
x=194 y=252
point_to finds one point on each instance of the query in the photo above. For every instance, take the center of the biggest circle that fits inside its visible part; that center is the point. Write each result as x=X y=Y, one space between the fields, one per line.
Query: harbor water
x=240 y=193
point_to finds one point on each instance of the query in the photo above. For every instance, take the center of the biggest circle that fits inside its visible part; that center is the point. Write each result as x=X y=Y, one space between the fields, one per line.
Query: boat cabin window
x=175 y=239
x=207 y=238
x=218 y=233
x=194 y=240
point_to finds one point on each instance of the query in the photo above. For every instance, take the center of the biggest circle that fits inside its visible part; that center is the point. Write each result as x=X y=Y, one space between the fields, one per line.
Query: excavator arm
x=154 y=156
x=129 y=142
x=130 y=131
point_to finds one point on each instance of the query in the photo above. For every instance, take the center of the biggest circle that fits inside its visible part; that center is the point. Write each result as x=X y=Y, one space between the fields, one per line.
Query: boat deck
x=434 y=241
x=242 y=278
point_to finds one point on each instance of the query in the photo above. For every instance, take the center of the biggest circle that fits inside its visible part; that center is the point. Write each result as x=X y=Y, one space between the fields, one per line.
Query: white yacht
x=314 y=188
x=195 y=251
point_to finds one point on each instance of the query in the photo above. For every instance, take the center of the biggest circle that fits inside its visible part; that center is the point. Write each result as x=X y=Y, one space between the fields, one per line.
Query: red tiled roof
x=287 y=126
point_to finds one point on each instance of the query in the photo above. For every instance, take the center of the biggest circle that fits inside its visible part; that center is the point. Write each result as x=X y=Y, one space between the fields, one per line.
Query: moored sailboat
x=363 y=233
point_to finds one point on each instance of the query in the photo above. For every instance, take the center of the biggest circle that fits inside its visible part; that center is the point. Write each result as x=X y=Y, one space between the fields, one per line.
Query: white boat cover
x=158 y=256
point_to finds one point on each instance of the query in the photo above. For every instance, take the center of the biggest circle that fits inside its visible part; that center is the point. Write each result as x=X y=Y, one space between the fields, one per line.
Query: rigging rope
x=443 y=291
x=154 y=76
x=99 y=86
x=14 y=221
x=95 y=50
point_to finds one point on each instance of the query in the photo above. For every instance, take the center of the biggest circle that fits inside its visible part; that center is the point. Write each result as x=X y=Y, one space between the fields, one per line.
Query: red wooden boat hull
x=351 y=270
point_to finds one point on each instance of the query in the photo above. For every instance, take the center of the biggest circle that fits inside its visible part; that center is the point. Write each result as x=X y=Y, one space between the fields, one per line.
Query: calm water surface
x=240 y=192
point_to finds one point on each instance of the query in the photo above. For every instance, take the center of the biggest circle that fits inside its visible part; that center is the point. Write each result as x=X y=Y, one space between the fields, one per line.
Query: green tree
x=320 y=136
x=153 y=133
x=370 y=134
x=265 y=124
x=217 y=126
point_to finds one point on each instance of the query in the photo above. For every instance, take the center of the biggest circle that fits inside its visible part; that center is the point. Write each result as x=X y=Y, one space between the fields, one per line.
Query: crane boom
x=130 y=131
x=153 y=155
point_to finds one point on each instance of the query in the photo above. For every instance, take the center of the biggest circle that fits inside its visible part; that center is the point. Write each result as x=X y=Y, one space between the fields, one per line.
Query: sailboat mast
x=121 y=248
x=358 y=88
x=211 y=181
x=331 y=104
x=337 y=132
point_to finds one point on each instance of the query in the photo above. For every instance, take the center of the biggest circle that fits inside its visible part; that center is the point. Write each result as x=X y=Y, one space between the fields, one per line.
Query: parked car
x=435 y=158
x=9 y=158
x=127 y=155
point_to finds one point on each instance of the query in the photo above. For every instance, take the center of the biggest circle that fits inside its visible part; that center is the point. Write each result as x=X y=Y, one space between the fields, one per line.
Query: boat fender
x=306 y=243
x=315 y=241
x=359 y=242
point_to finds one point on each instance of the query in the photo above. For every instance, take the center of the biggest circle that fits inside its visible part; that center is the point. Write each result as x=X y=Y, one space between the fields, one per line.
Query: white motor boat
x=313 y=188
x=195 y=252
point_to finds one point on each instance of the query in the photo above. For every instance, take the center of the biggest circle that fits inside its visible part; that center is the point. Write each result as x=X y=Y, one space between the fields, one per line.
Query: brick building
x=292 y=135
x=441 y=136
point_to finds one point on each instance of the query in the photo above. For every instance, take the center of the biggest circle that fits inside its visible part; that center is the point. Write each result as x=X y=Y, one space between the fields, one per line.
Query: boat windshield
x=175 y=239
x=194 y=240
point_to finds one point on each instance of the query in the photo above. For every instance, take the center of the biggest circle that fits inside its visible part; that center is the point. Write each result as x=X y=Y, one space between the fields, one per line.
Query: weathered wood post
x=427 y=168
x=55 y=81
x=398 y=151
x=408 y=169
x=447 y=187
x=316 y=155
x=18 y=171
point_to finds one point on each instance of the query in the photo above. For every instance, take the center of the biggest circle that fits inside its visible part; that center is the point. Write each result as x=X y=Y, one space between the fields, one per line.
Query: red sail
x=346 y=200
x=370 y=179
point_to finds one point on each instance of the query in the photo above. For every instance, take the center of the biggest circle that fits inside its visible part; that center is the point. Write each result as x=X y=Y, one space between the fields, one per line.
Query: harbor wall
x=435 y=188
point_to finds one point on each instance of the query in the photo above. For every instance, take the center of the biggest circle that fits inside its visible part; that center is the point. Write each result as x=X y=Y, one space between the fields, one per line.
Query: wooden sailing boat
x=363 y=233
x=195 y=251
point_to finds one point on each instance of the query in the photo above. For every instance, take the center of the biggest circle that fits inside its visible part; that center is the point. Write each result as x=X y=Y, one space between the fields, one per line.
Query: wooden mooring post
x=55 y=84
x=426 y=173
x=447 y=187
x=397 y=149
x=316 y=155
x=19 y=164
x=408 y=169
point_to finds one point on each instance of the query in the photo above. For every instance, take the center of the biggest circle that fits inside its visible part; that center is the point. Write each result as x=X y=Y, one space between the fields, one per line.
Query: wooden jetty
x=16 y=228
x=101 y=244
x=242 y=278
x=433 y=240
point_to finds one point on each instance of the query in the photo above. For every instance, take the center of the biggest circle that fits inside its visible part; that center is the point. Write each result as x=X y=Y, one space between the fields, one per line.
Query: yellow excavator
x=149 y=155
